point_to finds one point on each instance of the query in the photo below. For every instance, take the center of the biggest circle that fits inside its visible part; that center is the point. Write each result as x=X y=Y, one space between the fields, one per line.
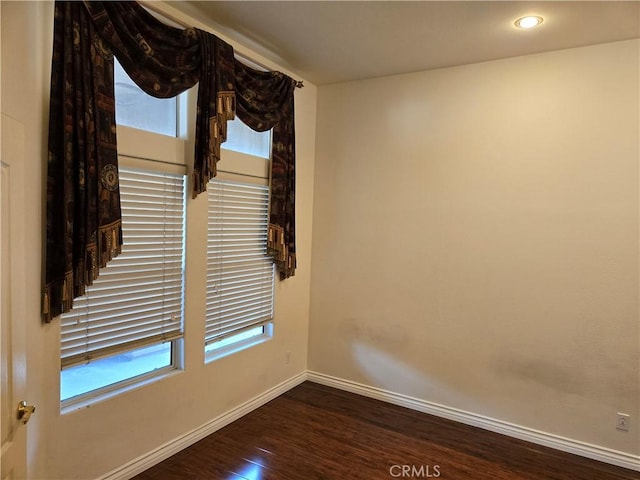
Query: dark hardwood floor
x=316 y=432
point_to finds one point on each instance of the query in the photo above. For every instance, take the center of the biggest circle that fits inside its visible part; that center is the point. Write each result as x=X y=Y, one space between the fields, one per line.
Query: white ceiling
x=335 y=41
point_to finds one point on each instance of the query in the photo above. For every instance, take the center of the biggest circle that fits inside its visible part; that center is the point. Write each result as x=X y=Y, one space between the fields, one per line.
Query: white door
x=13 y=430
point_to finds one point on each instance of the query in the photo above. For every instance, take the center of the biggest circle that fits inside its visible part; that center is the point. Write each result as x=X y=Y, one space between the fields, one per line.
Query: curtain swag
x=84 y=229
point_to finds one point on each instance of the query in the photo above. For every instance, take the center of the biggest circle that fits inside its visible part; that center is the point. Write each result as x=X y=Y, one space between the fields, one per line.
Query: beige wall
x=475 y=239
x=92 y=441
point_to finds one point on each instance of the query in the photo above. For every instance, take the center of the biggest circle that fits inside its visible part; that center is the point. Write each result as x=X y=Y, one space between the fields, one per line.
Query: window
x=241 y=138
x=137 y=109
x=128 y=327
x=240 y=274
x=128 y=323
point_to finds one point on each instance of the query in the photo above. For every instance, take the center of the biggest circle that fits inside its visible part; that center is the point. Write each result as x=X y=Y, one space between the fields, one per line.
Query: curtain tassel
x=277 y=248
x=46 y=304
x=226 y=105
x=110 y=245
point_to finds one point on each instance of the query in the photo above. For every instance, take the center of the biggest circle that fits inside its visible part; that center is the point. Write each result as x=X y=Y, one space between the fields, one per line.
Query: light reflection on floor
x=251 y=471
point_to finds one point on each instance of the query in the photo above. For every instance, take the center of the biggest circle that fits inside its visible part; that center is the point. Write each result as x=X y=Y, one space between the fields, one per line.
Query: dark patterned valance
x=83 y=199
x=83 y=206
x=265 y=101
x=165 y=61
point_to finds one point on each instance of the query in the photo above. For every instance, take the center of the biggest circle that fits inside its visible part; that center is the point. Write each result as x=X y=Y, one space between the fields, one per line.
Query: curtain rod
x=149 y=5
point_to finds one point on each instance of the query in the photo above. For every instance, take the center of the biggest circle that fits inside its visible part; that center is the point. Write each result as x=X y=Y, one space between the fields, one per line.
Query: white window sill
x=236 y=347
x=84 y=401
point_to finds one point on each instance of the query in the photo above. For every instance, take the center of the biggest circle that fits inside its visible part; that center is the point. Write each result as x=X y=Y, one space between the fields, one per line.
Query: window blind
x=239 y=273
x=138 y=298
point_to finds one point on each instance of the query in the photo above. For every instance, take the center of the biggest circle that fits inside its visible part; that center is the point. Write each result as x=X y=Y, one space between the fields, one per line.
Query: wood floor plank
x=314 y=432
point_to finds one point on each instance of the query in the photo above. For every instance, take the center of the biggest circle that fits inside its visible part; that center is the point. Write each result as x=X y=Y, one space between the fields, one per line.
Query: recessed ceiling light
x=528 y=22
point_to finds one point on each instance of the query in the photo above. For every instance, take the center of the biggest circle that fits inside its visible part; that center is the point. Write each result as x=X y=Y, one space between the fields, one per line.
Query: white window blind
x=240 y=275
x=138 y=298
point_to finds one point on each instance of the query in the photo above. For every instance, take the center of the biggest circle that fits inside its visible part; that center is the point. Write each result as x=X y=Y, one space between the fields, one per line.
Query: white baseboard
x=148 y=460
x=594 y=452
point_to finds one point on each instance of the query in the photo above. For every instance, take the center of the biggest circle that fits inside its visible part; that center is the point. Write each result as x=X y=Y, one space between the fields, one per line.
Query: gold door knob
x=25 y=411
